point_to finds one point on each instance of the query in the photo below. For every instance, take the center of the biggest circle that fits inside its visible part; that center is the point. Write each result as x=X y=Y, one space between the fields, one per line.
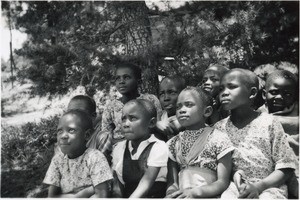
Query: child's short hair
x=178 y=80
x=90 y=102
x=281 y=74
x=147 y=105
x=249 y=78
x=220 y=68
x=125 y=64
x=86 y=120
x=204 y=95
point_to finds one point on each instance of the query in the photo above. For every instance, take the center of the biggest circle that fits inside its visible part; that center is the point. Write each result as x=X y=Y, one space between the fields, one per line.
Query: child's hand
x=165 y=127
x=238 y=179
x=186 y=193
x=250 y=192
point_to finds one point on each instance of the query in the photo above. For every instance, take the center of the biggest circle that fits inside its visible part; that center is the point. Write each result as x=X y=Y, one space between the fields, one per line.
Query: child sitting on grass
x=202 y=153
x=77 y=171
x=262 y=160
x=211 y=84
x=140 y=162
x=169 y=89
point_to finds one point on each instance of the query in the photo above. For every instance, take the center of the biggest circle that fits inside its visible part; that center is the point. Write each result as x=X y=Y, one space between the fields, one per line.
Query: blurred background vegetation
x=75 y=44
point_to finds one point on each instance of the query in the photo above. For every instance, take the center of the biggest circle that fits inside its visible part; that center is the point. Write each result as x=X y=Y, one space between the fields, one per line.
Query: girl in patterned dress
x=200 y=157
x=127 y=79
x=78 y=171
x=262 y=160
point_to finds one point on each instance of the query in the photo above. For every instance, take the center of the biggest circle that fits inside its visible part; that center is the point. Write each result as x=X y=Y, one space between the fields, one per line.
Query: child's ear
x=264 y=94
x=88 y=134
x=152 y=123
x=253 y=93
x=208 y=111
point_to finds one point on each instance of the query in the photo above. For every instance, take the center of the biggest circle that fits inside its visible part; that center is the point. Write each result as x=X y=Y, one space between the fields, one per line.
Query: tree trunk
x=139 y=42
x=11 y=52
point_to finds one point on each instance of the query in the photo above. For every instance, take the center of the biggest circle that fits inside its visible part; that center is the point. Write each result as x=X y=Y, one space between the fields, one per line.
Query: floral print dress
x=261 y=147
x=73 y=175
x=217 y=145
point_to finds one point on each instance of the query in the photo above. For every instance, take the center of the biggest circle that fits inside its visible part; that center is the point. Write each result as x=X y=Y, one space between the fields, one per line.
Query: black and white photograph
x=150 y=99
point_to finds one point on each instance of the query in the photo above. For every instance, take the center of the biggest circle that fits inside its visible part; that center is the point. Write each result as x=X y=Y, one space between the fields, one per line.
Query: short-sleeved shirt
x=261 y=146
x=112 y=114
x=73 y=175
x=217 y=146
x=158 y=156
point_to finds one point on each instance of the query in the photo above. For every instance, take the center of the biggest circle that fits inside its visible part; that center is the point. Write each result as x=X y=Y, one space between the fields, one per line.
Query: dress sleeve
x=172 y=147
x=53 y=175
x=158 y=156
x=222 y=144
x=99 y=168
x=282 y=154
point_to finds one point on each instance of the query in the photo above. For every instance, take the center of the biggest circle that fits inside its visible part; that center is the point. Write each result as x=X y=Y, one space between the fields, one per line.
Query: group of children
x=190 y=142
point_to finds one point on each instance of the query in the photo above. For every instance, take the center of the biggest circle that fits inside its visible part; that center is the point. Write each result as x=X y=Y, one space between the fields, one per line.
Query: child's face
x=125 y=81
x=190 y=110
x=135 y=122
x=211 y=82
x=70 y=135
x=168 y=94
x=80 y=105
x=234 y=93
x=280 y=94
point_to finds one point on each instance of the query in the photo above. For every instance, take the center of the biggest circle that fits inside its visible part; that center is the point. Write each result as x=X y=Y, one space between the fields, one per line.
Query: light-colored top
x=112 y=114
x=217 y=145
x=158 y=156
x=261 y=146
x=73 y=175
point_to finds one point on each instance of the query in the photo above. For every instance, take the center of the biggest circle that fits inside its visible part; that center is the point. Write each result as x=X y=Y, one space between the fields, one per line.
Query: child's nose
x=121 y=80
x=208 y=82
x=64 y=135
x=224 y=93
x=166 y=97
x=182 y=110
x=278 y=96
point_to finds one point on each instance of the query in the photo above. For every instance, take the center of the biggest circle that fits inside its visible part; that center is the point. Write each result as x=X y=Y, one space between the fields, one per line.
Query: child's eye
x=189 y=104
x=133 y=118
x=72 y=130
x=215 y=79
x=127 y=77
x=178 y=106
x=117 y=78
x=273 y=92
x=221 y=88
x=287 y=94
x=232 y=86
x=59 y=131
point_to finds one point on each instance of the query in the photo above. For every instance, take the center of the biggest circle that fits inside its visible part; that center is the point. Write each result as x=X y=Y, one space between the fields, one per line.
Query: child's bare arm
x=146 y=182
x=216 y=188
x=172 y=178
x=275 y=179
x=53 y=191
x=101 y=190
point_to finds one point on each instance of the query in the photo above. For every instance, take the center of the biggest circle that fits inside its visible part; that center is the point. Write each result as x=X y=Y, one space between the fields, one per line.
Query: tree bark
x=139 y=42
